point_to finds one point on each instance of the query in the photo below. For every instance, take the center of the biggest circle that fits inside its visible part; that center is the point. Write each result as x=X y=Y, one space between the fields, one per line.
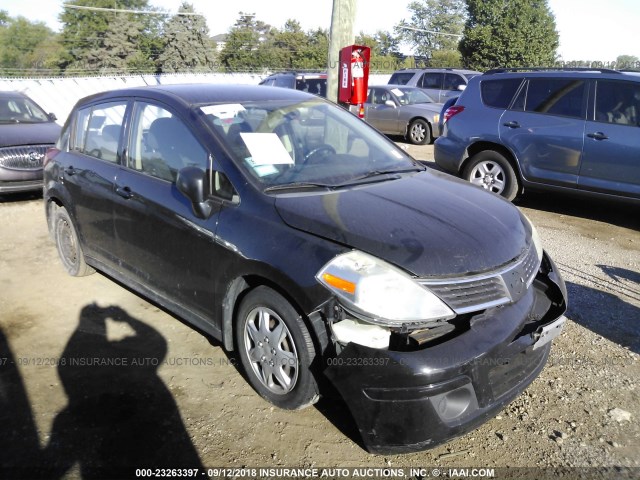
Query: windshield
x=411 y=96
x=310 y=144
x=21 y=110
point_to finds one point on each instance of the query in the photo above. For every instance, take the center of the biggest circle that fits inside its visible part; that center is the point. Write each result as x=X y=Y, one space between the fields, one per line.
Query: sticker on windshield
x=266 y=149
x=397 y=92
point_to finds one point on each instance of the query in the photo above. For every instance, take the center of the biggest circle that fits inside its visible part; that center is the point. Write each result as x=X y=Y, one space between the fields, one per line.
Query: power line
x=432 y=31
x=122 y=10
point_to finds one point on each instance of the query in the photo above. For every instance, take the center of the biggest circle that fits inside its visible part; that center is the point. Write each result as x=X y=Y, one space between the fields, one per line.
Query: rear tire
x=68 y=244
x=493 y=172
x=276 y=349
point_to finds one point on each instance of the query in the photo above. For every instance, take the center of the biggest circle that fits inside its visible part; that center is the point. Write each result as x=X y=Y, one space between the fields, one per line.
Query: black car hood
x=13 y=134
x=429 y=224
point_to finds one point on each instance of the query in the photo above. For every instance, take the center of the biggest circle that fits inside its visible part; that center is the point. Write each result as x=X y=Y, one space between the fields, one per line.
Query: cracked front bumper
x=411 y=401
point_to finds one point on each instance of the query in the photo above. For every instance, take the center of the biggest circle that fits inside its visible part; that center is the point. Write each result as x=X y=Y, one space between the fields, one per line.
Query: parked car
x=315 y=83
x=563 y=130
x=406 y=111
x=26 y=132
x=438 y=83
x=451 y=101
x=298 y=235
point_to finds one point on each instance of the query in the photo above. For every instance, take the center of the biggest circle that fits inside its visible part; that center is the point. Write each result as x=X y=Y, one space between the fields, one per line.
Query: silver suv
x=564 y=130
x=439 y=83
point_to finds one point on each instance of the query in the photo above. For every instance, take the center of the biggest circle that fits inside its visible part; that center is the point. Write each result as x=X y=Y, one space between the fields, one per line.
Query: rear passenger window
x=618 y=102
x=98 y=130
x=499 y=93
x=556 y=96
x=432 y=80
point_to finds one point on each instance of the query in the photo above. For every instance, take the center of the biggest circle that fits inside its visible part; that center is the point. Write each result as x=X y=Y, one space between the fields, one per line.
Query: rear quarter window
x=401 y=78
x=499 y=93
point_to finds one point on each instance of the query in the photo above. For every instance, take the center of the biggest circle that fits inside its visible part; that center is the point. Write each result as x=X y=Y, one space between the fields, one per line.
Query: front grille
x=28 y=157
x=479 y=292
x=474 y=295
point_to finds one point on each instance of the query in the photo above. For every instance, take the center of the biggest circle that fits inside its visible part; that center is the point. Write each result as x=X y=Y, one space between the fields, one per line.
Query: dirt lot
x=178 y=398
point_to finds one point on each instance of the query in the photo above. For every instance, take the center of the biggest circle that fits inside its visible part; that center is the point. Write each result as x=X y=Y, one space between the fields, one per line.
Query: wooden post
x=341 y=35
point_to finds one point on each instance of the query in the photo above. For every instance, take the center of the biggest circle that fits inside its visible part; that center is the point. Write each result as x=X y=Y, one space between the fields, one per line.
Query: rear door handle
x=124 y=192
x=512 y=124
x=597 y=136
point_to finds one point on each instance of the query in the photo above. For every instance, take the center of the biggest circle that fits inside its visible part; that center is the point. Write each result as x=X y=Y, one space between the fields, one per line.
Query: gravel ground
x=185 y=400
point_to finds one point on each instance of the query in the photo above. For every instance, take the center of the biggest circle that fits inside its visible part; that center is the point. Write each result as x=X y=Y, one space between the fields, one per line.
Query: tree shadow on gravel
x=605 y=314
x=120 y=415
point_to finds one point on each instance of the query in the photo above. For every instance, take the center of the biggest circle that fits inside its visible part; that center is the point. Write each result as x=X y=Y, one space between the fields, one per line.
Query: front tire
x=492 y=171
x=275 y=349
x=68 y=244
x=419 y=132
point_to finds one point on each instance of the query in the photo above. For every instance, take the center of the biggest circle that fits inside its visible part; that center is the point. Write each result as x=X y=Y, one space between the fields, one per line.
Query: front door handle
x=512 y=124
x=597 y=136
x=124 y=192
x=70 y=171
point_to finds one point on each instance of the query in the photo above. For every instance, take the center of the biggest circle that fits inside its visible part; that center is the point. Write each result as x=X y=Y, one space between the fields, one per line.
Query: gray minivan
x=560 y=129
x=439 y=83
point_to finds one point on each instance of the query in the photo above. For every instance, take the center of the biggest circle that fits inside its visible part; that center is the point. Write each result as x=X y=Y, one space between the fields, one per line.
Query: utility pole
x=341 y=35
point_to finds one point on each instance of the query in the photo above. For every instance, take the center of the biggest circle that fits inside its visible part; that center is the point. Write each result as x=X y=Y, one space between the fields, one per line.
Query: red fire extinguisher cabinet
x=353 y=75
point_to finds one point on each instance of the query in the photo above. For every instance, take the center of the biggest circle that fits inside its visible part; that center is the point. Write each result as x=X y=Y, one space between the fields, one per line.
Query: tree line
x=135 y=37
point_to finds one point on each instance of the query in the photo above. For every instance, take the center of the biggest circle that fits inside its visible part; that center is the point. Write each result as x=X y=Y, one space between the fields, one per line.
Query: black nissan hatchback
x=297 y=235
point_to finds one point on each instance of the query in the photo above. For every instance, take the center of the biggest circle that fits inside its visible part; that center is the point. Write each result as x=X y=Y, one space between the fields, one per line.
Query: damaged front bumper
x=404 y=401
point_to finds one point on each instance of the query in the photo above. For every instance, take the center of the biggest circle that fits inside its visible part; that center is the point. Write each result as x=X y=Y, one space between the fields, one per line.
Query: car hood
x=13 y=134
x=429 y=224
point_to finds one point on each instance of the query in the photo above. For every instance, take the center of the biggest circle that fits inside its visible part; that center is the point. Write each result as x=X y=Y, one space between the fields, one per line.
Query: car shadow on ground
x=606 y=211
x=607 y=314
x=120 y=414
x=20 y=196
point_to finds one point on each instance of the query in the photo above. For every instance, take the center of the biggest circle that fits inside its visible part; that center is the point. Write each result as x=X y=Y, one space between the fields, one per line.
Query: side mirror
x=52 y=116
x=390 y=103
x=191 y=183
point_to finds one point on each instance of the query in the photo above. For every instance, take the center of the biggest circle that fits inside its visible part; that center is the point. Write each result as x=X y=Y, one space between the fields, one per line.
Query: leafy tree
x=244 y=48
x=122 y=42
x=509 y=33
x=444 y=17
x=27 y=47
x=627 y=61
x=445 y=58
x=188 y=45
x=385 y=53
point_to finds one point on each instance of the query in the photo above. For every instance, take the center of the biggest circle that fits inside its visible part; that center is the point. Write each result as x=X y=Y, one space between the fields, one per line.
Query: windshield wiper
x=297 y=186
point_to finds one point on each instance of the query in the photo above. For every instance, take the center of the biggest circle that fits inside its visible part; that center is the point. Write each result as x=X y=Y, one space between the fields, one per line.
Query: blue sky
x=589 y=29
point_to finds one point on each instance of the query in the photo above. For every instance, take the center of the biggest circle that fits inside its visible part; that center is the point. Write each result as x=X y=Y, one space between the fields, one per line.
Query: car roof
x=202 y=93
x=565 y=73
x=12 y=94
x=437 y=70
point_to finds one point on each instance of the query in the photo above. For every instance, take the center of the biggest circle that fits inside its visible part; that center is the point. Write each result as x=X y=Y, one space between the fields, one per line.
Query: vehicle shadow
x=120 y=415
x=19 y=445
x=20 y=196
x=607 y=211
x=607 y=314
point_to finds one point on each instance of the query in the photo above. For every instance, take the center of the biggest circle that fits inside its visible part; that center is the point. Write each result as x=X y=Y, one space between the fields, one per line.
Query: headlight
x=535 y=238
x=380 y=292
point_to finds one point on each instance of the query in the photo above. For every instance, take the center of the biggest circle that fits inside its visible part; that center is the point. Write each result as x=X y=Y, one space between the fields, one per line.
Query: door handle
x=512 y=124
x=597 y=136
x=124 y=192
x=70 y=171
